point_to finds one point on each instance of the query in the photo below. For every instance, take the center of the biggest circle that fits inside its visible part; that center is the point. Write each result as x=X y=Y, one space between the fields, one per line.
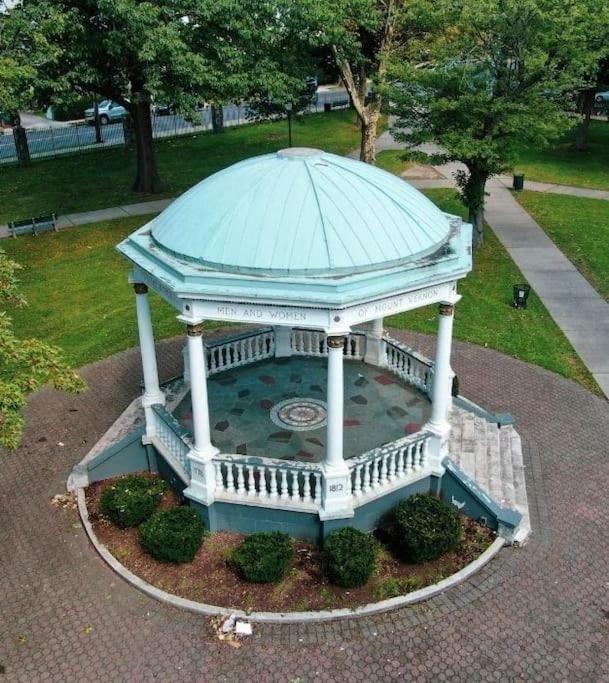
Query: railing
x=315 y=343
x=240 y=350
x=384 y=466
x=275 y=481
x=170 y=437
x=411 y=366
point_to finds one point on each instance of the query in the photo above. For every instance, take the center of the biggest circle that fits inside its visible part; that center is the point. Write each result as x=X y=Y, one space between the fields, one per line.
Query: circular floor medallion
x=300 y=414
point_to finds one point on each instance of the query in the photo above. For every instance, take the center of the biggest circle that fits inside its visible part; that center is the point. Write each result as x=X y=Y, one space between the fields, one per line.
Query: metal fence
x=79 y=136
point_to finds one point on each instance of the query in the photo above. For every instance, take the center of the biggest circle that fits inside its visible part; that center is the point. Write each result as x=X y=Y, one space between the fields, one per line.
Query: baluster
x=240 y=479
x=282 y=481
x=273 y=491
x=391 y=466
x=219 y=479
x=306 y=488
x=317 y=476
x=412 y=458
x=366 y=478
x=230 y=477
x=423 y=453
x=295 y=493
x=401 y=454
x=384 y=468
x=357 y=482
x=249 y=483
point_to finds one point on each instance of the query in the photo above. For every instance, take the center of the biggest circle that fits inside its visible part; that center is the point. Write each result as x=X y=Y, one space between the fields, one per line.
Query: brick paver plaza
x=539 y=613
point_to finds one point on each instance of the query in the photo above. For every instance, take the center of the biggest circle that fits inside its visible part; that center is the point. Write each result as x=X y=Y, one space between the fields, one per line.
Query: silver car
x=109 y=112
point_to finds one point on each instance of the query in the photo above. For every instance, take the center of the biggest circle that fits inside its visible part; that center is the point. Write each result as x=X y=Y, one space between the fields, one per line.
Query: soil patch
x=211 y=579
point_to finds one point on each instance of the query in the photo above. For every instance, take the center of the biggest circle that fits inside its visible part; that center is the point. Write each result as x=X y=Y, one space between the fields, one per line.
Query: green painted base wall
x=124 y=457
x=249 y=519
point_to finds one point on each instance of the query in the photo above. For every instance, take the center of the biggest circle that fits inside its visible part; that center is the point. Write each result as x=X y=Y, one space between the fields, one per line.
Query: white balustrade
x=277 y=481
x=315 y=343
x=387 y=465
x=171 y=439
x=238 y=351
x=411 y=366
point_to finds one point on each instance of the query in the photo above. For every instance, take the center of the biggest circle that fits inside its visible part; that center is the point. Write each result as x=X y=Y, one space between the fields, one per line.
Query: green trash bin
x=518 y=181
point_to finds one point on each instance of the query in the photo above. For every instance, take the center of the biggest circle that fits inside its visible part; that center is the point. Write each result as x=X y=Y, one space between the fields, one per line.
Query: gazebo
x=312 y=251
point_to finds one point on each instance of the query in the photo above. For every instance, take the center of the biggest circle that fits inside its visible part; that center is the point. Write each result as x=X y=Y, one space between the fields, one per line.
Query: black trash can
x=327 y=106
x=518 y=181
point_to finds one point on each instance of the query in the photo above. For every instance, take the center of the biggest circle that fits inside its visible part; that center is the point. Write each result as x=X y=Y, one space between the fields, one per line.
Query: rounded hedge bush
x=264 y=557
x=131 y=501
x=424 y=528
x=350 y=557
x=173 y=535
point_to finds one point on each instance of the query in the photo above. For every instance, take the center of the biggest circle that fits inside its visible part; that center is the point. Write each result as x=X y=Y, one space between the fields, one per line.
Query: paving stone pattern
x=241 y=402
x=540 y=613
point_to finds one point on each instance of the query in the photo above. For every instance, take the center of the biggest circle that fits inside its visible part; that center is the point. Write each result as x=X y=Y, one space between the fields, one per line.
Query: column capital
x=194 y=330
x=140 y=288
x=336 y=342
x=446 y=309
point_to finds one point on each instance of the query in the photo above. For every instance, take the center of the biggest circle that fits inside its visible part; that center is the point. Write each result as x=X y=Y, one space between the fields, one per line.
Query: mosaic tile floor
x=378 y=408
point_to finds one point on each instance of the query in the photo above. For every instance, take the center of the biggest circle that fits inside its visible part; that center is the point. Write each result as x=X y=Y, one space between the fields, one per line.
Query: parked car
x=109 y=112
x=163 y=109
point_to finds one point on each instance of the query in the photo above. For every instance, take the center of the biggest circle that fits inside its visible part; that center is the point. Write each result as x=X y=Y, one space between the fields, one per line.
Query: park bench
x=33 y=226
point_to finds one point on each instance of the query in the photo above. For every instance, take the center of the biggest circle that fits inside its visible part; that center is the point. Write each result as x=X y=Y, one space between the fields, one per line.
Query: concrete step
x=492 y=456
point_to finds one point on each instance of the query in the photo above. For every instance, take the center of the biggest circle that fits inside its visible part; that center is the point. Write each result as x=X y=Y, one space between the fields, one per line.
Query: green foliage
x=350 y=557
x=482 y=79
x=26 y=365
x=424 y=528
x=173 y=535
x=263 y=557
x=131 y=501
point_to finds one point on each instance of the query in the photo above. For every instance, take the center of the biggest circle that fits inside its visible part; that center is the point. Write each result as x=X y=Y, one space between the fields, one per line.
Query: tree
x=482 y=79
x=362 y=34
x=26 y=365
x=25 y=43
x=586 y=101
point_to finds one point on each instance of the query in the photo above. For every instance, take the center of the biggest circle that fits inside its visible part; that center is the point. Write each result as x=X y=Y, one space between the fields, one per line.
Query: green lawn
x=97 y=180
x=484 y=316
x=579 y=227
x=392 y=160
x=76 y=285
x=562 y=165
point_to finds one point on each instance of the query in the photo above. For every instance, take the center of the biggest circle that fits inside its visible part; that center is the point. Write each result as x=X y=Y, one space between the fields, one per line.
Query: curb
x=284 y=617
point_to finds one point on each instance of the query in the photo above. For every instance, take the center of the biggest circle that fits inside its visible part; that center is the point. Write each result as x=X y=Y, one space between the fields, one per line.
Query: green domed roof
x=301 y=212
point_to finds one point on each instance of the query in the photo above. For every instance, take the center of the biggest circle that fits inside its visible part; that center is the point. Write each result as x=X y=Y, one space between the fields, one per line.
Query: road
x=54 y=139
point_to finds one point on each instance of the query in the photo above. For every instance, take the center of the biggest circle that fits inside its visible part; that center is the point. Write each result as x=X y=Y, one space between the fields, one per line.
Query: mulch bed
x=211 y=579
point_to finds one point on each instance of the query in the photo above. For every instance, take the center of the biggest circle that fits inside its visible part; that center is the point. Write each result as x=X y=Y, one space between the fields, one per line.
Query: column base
x=337 y=500
x=202 y=486
x=283 y=341
x=375 y=351
x=437 y=448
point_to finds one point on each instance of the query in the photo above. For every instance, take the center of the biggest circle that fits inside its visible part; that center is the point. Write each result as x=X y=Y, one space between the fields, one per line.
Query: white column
x=152 y=391
x=438 y=423
x=337 y=500
x=375 y=346
x=283 y=341
x=203 y=477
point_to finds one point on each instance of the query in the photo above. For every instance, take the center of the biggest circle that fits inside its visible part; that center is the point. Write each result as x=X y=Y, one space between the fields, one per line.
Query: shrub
x=350 y=557
x=424 y=528
x=173 y=535
x=131 y=501
x=263 y=557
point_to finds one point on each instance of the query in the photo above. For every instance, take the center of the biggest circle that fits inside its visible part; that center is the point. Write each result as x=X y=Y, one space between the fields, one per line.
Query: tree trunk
x=147 y=179
x=368 y=142
x=473 y=192
x=98 y=134
x=586 y=106
x=21 y=143
x=217 y=118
